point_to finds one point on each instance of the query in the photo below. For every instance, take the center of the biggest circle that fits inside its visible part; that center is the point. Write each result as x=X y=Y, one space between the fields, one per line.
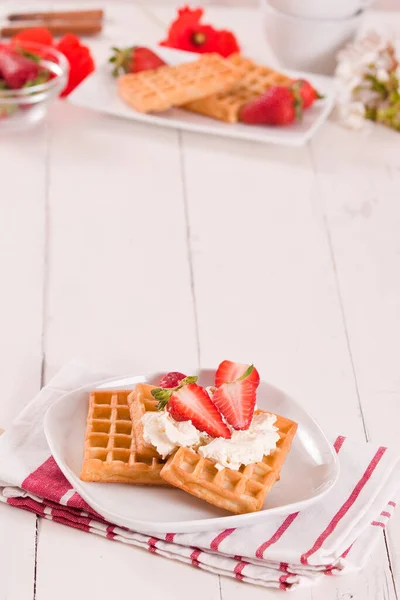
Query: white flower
x=382 y=75
x=352 y=115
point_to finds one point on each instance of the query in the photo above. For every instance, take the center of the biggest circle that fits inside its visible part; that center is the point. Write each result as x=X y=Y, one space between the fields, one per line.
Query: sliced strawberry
x=134 y=60
x=17 y=70
x=171 y=380
x=236 y=402
x=230 y=371
x=192 y=403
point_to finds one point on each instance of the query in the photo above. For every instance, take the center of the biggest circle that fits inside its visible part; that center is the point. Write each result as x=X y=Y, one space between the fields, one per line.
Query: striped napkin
x=331 y=537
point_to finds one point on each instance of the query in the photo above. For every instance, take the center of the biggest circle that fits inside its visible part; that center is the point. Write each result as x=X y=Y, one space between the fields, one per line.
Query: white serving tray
x=98 y=92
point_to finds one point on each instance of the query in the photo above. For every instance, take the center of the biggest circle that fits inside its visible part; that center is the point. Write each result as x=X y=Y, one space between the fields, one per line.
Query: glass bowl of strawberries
x=31 y=77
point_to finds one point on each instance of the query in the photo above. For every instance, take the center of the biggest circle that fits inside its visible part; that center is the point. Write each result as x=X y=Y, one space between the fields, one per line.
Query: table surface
x=132 y=248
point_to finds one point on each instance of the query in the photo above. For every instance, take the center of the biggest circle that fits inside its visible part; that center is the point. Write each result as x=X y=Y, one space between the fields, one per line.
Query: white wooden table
x=131 y=247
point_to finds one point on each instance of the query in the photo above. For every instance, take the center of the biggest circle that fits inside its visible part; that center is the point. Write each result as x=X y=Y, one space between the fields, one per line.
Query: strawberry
x=277 y=106
x=230 y=371
x=134 y=59
x=236 y=400
x=17 y=70
x=171 y=380
x=190 y=402
x=308 y=94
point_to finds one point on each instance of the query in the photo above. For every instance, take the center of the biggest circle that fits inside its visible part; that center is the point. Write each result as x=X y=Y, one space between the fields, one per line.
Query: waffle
x=110 y=453
x=236 y=491
x=159 y=89
x=139 y=402
x=225 y=105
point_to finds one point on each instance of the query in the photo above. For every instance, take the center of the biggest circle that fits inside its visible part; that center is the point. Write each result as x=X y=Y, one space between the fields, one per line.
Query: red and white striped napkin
x=331 y=537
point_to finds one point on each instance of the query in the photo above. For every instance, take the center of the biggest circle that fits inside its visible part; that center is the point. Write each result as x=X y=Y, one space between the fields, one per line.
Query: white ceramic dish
x=321 y=9
x=314 y=43
x=98 y=92
x=310 y=470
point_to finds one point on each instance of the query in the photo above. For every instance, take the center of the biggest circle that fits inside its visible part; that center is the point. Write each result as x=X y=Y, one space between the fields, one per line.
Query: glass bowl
x=28 y=105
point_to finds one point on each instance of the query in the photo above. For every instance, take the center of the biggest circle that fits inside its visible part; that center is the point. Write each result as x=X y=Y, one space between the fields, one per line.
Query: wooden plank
x=22 y=242
x=105 y=569
x=119 y=298
x=362 y=218
x=17 y=553
x=266 y=288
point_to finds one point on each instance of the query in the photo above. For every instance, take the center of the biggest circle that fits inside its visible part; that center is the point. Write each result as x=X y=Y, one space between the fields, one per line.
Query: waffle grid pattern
x=110 y=452
x=141 y=401
x=225 y=105
x=159 y=89
x=237 y=491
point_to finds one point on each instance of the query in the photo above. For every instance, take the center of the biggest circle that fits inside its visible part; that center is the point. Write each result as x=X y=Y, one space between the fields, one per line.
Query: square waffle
x=236 y=491
x=225 y=105
x=159 y=89
x=139 y=402
x=110 y=453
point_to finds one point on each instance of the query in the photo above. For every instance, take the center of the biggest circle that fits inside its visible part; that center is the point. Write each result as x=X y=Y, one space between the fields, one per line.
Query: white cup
x=307 y=44
x=321 y=9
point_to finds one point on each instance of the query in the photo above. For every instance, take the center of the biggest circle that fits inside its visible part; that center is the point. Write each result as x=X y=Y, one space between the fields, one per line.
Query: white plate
x=98 y=92
x=310 y=470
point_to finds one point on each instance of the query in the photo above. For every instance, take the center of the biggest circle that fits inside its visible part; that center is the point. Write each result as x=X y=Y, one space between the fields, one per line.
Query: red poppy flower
x=227 y=43
x=187 y=33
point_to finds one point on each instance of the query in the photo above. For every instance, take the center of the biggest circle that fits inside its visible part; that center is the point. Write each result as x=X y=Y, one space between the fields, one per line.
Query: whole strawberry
x=307 y=92
x=134 y=59
x=17 y=70
x=277 y=106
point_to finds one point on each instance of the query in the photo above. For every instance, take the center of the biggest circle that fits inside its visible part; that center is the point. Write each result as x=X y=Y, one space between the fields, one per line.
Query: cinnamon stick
x=69 y=15
x=55 y=27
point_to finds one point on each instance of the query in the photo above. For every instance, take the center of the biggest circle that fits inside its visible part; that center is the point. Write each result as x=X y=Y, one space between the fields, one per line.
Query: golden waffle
x=139 y=402
x=225 y=105
x=159 y=89
x=109 y=452
x=236 y=491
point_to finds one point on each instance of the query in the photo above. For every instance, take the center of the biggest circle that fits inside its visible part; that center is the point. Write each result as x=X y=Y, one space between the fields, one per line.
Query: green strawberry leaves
x=164 y=394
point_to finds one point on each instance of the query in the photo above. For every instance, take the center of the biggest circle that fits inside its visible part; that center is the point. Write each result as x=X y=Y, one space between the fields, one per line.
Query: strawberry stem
x=163 y=395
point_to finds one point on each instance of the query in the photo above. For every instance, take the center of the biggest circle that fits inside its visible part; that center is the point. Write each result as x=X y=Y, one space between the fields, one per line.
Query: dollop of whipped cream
x=166 y=434
x=244 y=447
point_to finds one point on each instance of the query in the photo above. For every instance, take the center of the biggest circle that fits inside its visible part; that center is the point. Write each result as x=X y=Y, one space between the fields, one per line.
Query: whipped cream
x=244 y=447
x=166 y=434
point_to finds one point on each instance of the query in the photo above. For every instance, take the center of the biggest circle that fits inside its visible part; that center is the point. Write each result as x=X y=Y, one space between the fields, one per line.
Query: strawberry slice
x=190 y=402
x=236 y=400
x=230 y=371
x=171 y=380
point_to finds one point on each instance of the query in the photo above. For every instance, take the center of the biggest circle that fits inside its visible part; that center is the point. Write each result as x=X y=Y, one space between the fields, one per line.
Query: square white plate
x=98 y=92
x=309 y=472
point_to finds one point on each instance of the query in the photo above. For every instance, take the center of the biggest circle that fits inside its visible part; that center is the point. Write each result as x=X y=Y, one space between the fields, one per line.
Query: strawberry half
x=230 y=371
x=16 y=69
x=236 y=400
x=190 y=402
x=171 y=380
x=134 y=60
